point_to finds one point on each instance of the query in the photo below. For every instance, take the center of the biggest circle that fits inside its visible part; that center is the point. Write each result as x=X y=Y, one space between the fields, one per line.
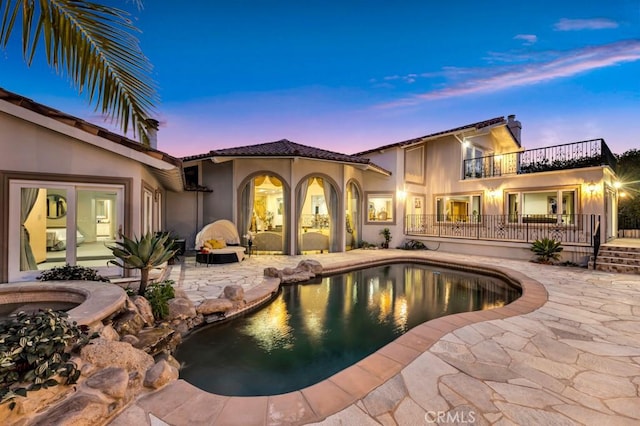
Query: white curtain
x=28 y=197
x=300 y=199
x=331 y=200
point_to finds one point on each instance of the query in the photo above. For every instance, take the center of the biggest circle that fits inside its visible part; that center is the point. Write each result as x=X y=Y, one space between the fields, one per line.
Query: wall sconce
x=493 y=193
x=617 y=184
x=591 y=187
x=401 y=194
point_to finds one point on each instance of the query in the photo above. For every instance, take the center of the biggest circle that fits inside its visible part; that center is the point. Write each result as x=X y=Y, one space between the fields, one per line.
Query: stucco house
x=68 y=188
x=289 y=197
x=467 y=189
x=475 y=189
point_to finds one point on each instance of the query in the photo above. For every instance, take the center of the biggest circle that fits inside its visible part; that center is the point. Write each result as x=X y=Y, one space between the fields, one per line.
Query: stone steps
x=621 y=259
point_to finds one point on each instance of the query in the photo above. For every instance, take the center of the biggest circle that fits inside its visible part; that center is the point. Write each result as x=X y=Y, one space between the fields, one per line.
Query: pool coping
x=316 y=402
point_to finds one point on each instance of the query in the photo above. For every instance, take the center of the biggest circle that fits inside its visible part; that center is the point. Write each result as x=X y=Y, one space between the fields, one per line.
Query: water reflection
x=313 y=331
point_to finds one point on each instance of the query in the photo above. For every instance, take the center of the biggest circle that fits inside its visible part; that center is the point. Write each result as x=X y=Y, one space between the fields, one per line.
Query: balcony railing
x=570 y=229
x=559 y=157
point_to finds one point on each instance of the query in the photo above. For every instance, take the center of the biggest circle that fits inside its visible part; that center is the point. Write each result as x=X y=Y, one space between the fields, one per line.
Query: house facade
x=286 y=197
x=475 y=189
x=472 y=189
x=69 y=188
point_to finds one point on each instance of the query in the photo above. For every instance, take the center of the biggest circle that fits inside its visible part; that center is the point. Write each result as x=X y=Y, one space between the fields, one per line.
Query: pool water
x=312 y=331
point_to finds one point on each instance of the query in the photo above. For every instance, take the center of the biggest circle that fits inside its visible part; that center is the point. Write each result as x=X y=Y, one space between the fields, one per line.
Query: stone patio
x=567 y=352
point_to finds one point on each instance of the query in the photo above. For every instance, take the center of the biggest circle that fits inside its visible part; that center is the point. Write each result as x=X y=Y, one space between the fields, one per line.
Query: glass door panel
x=98 y=222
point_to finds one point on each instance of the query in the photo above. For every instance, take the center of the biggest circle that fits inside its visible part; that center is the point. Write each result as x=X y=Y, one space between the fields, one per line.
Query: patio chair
x=220 y=231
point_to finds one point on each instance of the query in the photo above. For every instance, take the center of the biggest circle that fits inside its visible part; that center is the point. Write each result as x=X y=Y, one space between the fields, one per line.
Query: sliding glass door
x=55 y=223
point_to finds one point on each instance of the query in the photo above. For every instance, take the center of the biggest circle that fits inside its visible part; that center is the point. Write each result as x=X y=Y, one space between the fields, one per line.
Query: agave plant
x=547 y=249
x=146 y=253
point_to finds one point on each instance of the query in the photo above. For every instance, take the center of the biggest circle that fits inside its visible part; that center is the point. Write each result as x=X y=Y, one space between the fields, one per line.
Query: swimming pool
x=311 y=331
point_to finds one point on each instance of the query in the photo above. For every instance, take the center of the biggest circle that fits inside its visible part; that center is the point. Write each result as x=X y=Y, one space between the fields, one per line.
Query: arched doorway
x=317 y=211
x=263 y=213
x=353 y=220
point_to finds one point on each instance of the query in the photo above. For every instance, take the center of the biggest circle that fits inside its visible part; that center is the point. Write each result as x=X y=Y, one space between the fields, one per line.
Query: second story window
x=473 y=161
x=191 y=177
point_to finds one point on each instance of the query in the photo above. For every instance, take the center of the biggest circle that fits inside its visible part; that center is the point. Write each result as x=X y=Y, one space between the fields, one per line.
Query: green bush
x=547 y=249
x=414 y=245
x=158 y=294
x=35 y=350
x=68 y=272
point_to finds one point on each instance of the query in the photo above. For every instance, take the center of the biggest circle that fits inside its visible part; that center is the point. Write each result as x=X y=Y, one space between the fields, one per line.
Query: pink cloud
x=568 y=64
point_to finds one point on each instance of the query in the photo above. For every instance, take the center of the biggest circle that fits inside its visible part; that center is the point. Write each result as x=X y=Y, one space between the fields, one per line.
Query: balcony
x=574 y=155
x=570 y=229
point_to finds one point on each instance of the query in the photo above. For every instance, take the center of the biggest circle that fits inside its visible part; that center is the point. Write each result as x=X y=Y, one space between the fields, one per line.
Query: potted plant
x=386 y=234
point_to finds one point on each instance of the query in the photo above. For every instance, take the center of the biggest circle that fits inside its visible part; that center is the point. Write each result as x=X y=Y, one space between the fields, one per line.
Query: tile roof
x=476 y=126
x=287 y=149
x=78 y=123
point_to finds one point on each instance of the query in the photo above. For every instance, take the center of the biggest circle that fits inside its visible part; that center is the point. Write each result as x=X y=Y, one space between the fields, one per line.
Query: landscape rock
x=104 y=353
x=144 y=309
x=166 y=356
x=109 y=333
x=130 y=322
x=80 y=409
x=235 y=293
x=154 y=340
x=297 y=277
x=310 y=265
x=180 y=308
x=110 y=381
x=272 y=272
x=130 y=339
x=160 y=374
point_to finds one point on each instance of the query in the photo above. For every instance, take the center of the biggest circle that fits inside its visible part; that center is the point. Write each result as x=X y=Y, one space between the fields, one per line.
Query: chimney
x=516 y=128
x=152 y=132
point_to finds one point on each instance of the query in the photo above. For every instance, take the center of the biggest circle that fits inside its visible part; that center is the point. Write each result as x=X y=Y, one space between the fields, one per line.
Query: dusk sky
x=353 y=75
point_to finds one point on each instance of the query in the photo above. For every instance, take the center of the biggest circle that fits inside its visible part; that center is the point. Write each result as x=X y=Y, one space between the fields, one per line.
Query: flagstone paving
x=568 y=352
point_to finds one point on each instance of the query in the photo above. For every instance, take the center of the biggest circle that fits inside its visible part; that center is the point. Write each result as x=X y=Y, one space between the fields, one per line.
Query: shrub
x=144 y=254
x=414 y=245
x=68 y=272
x=547 y=249
x=158 y=294
x=35 y=350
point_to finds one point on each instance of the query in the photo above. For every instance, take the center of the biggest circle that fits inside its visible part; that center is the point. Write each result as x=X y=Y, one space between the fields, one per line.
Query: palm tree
x=95 y=45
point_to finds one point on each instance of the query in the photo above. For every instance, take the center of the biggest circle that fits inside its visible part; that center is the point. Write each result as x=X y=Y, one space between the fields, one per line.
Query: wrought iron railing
x=574 y=229
x=558 y=157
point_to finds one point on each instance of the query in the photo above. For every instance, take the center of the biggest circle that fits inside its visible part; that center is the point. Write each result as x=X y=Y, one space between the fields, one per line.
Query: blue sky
x=353 y=75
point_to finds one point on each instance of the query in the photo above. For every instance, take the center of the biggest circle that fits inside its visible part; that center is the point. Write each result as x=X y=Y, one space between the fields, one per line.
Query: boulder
x=310 y=265
x=130 y=322
x=110 y=381
x=297 y=277
x=80 y=409
x=288 y=271
x=154 y=340
x=130 y=339
x=104 y=353
x=144 y=309
x=169 y=358
x=179 y=292
x=180 y=308
x=109 y=333
x=235 y=293
x=160 y=374
x=272 y=273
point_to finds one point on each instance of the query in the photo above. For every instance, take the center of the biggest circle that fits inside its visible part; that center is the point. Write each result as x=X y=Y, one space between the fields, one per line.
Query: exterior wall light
x=617 y=184
x=591 y=187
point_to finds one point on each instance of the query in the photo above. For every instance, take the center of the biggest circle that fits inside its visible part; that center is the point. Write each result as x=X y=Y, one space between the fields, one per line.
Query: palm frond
x=96 y=47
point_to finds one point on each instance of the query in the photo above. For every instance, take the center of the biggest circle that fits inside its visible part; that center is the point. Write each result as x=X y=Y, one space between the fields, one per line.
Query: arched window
x=353 y=221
